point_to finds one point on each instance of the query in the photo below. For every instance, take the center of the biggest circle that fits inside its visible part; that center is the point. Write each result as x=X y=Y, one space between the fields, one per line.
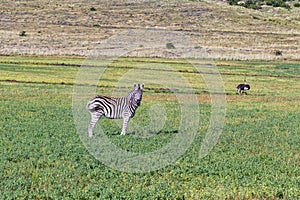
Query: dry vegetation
x=74 y=28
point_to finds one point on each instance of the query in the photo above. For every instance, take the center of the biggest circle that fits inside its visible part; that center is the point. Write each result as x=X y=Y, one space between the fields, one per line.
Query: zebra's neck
x=132 y=102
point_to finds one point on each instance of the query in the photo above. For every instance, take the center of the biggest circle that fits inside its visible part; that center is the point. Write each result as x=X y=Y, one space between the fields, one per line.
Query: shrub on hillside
x=22 y=34
x=253 y=4
x=256 y=4
x=170 y=45
x=277 y=3
x=297 y=5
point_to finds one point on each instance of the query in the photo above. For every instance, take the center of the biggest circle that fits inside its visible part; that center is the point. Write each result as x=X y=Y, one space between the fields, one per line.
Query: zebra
x=115 y=108
x=243 y=87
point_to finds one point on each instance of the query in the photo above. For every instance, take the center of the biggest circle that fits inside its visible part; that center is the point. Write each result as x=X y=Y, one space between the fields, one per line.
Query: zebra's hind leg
x=95 y=116
x=125 y=124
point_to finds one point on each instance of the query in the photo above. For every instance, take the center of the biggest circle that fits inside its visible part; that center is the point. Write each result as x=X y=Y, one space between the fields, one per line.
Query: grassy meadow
x=43 y=156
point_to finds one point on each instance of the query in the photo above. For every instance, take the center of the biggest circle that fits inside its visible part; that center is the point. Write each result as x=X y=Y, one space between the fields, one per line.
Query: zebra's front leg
x=94 y=119
x=125 y=124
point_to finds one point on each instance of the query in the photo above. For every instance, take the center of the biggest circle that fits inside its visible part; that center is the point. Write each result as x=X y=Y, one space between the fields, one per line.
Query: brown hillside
x=76 y=27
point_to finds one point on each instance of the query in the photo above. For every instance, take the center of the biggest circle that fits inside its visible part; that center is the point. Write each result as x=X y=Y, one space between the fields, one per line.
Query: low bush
x=256 y=4
x=23 y=33
x=297 y=5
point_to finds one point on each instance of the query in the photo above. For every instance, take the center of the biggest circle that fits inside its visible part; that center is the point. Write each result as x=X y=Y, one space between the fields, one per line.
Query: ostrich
x=243 y=87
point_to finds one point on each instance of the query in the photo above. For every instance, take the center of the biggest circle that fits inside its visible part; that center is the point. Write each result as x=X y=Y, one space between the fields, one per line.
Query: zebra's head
x=137 y=93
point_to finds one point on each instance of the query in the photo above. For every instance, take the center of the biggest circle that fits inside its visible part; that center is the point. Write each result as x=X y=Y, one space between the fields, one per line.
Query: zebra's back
x=110 y=107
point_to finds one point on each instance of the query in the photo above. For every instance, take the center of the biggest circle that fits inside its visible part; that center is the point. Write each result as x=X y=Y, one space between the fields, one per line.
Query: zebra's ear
x=142 y=86
x=135 y=86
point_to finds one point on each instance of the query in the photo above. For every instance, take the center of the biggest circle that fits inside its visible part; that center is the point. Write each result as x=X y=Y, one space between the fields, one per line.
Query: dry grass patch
x=226 y=32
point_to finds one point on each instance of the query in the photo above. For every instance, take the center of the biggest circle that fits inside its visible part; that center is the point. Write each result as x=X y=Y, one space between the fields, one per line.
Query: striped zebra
x=115 y=108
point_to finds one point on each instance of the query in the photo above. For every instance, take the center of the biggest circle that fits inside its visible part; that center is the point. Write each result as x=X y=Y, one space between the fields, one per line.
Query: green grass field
x=43 y=157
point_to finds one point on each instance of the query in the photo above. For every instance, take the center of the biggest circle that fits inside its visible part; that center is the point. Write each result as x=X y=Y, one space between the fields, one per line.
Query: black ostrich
x=242 y=88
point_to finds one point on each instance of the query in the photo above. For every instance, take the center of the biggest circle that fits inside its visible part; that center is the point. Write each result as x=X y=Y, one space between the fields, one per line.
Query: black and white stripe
x=115 y=108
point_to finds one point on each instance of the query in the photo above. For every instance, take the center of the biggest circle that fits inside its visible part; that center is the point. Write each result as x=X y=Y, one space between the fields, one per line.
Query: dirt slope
x=76 y=27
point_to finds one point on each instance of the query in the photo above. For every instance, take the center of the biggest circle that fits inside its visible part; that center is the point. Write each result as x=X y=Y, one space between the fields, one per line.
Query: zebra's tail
x=91 y=106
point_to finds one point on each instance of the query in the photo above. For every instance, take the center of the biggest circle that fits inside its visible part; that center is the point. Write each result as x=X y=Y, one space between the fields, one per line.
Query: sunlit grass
x=256 y=156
